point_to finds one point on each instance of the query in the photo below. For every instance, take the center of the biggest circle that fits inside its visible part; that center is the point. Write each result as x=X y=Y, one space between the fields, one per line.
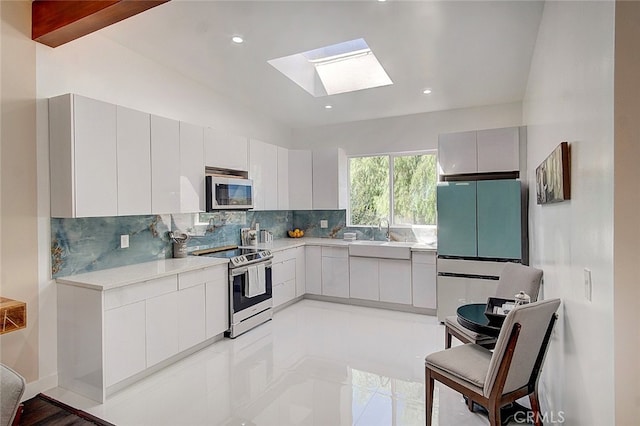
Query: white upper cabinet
x=283 y=178
x=225 y=151
x=329 y=179
x=300 y=180
x=498 y=150
x=263 y=170
x=191 y=168
x=482 y=151
x=165 y=165
x=83 y=159
x=457 y=153
x=134 y=162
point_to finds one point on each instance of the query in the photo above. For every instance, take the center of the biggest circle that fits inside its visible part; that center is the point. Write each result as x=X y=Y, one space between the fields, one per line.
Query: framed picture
x=552 y=176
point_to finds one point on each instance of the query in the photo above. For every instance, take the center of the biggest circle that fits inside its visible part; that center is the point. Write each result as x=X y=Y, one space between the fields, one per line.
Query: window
x=401 y=188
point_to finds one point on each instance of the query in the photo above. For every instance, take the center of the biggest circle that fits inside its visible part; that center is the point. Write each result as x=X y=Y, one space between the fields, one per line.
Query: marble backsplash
x=91 y=244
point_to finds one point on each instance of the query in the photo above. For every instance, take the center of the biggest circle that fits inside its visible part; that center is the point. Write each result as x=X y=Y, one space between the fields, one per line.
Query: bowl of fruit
x=296 y=233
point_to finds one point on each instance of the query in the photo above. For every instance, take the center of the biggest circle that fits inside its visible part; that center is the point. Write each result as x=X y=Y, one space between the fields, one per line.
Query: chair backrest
x=534 y=319
x=515 y=278
x=12 y=387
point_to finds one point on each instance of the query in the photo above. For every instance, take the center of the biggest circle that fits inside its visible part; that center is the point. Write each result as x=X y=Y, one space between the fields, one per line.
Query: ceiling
x=469 y=53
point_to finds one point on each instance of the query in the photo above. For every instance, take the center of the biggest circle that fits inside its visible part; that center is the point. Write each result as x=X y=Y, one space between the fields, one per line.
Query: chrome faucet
x=388 y=233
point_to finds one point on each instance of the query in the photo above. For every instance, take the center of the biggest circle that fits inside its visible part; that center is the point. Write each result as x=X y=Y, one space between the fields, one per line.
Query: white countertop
x=107 y=279
x=117 y=277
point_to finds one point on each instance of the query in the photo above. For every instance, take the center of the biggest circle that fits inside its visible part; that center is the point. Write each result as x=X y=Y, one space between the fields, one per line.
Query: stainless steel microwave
x=228 y=193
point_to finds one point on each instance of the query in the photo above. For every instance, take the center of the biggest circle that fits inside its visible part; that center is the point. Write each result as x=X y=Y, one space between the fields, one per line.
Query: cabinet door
x=313 y=269
x=423 y=280
x=457 y=153
x=363 y=278
x=499 y=219
x=124 y=343
x=226 y=151
x=452 y=292
x=300 y=180
x=191 y=317
x=217 y=305
x=457 y=219
x=191 y=168
x=134 y=162
x=162 y=328
x=329 y=179
x=301 y=287
x=395 y=281
x=257 y=153
x=498 y=150
x=96 y=181
x=283 y=178
x=335 y=276
x=165 y=165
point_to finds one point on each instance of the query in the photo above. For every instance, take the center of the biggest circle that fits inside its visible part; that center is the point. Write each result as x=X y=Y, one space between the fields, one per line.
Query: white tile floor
x=316 y=363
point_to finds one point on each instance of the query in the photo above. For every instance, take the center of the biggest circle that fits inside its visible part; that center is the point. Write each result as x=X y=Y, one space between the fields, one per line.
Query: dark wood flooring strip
x=44 y=410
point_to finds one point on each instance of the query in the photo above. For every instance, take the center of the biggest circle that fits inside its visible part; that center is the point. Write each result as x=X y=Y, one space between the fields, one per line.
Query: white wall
x=406 y=133
x=570 y=98
x=96 y=67
x=18 y=256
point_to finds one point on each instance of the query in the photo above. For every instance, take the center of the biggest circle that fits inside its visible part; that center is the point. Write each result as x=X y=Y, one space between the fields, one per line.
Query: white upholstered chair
x=12 y=387
x=513 y=279
x=511 y=371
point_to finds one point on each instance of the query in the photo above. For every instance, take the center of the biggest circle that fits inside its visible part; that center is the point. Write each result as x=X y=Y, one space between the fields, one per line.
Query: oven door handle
x=243 y=270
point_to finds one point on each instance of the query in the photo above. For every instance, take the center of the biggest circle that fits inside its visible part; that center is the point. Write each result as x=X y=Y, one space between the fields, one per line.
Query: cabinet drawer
x=424 y=257
x=335 y=252
x=140 y=291
x=284 y=292
x=281 y=256
x=201 y=276
x=472 y=267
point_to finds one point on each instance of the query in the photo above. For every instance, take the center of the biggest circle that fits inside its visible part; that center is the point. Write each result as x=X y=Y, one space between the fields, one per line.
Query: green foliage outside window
x=414 y=189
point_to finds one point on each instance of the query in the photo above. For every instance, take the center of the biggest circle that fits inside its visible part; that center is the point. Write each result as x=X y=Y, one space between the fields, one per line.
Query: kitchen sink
x=383 y=249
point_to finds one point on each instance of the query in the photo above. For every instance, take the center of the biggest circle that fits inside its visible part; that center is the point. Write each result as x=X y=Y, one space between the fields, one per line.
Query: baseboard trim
x=372 y=304
x=40 y=386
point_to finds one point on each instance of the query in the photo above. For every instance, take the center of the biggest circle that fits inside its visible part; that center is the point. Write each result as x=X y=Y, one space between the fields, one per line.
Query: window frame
x=392 y=156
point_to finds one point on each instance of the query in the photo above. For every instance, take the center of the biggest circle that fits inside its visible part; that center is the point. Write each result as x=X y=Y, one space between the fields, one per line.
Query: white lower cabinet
x=384 y=280
x=106 y=337
x=456 y=291
x=301 y=276
x=335 y=271
x=217 y=302
x=162 y=328
x=191 y=317
x=284 y=277
x=124 y=327
x=363 y=278
x=395 y=281
x=423 y=277
x=313 y=269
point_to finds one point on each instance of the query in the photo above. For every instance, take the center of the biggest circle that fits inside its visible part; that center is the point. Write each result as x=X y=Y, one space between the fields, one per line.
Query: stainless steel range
x=250 y=286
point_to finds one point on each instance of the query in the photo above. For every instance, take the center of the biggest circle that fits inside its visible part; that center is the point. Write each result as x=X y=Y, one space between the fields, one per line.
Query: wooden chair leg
x=429 y=395
x=535 y=407
x=470 y=403
x=494 y=414
x=447 y=338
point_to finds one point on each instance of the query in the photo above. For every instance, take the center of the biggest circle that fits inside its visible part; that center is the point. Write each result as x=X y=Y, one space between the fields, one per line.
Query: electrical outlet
x=588 y=285
x=324 y=224
x=124 y=241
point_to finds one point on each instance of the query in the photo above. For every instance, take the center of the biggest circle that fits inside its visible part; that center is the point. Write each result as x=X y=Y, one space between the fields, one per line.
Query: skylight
x=339 y=68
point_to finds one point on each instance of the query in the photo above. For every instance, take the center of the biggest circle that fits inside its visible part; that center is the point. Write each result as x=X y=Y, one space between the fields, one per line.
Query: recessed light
x=426 y=91
x=237 y=39
x=328 y=106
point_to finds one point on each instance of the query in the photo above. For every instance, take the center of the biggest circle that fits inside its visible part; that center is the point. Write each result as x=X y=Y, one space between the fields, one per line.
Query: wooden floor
x=43 y=410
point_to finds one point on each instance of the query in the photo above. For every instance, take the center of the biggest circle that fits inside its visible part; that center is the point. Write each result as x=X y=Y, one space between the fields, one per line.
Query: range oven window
x=240 y=280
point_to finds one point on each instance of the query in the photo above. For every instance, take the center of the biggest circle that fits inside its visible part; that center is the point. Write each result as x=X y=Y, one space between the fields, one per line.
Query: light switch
x=324 y=224
x=124 y=241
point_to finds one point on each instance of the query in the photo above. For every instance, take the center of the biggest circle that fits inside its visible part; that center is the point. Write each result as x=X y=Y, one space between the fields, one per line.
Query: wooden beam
x=56 y=22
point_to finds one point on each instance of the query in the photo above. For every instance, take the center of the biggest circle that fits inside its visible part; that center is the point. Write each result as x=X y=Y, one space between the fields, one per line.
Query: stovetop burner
x=237 y=256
